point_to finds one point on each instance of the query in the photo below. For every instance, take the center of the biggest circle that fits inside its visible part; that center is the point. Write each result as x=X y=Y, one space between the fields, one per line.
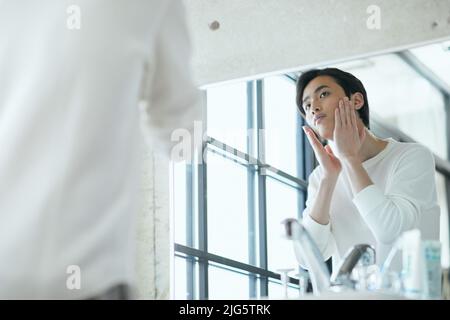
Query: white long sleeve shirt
x=402 y=197
x=70 y=134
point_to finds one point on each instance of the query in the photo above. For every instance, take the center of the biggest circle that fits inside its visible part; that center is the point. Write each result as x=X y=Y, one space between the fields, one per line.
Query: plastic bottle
x=414 y=274
x=432 y=250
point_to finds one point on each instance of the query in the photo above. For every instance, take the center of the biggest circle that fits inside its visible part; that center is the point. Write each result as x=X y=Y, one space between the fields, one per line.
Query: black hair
x=348 y=82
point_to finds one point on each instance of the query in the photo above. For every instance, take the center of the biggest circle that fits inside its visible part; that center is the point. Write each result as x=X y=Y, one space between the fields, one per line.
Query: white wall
x=153 y=232
x=265 y=36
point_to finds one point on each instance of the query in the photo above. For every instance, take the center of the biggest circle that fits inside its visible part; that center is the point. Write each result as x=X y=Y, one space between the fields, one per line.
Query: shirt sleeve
x=410 y=190
x=320 y=233
x=172 y=100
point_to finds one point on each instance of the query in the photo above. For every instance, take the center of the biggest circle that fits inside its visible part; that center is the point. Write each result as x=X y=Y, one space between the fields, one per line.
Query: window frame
x=257 y=171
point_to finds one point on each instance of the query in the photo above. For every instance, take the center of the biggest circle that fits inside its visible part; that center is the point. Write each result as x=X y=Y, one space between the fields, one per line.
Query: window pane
x=437 y=58
x=280 y=120
x=281 y=204
x=227 y=284
x=180 y=280
x=186 y=268
x=179 y=201
x=227 y=114
x=403 y=99
x=227 y=208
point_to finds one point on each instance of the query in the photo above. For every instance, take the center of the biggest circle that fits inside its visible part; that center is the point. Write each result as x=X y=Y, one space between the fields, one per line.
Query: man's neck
x=371 y=146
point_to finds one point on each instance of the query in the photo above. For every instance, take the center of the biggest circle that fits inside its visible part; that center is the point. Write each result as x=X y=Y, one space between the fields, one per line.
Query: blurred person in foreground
x=70 y=131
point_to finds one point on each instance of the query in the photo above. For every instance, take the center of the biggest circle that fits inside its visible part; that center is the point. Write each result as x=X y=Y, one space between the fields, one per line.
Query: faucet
x=308 y=254
x=358 y=255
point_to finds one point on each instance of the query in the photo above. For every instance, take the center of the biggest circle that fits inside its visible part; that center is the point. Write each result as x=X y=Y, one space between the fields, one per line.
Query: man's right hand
x=328 y=161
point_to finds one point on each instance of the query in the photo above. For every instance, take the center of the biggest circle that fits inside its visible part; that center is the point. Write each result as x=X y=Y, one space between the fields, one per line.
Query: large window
x=256 y=161
x=252 y=177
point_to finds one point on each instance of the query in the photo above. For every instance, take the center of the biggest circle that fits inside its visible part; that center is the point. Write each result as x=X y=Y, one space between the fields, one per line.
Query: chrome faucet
x=308 y=255
x=358 y=255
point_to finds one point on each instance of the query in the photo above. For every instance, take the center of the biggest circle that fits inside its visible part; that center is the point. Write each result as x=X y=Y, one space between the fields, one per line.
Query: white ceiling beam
x=235 y=39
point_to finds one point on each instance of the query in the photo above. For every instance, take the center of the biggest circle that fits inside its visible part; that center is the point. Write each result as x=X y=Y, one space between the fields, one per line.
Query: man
x=366 y=189
x=73 y=74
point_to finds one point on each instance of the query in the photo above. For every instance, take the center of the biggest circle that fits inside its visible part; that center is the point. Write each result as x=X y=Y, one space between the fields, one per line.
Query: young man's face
x=320 y=98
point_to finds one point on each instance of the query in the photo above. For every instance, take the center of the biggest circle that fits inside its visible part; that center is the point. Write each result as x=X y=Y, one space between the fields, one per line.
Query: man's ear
x=358 y=100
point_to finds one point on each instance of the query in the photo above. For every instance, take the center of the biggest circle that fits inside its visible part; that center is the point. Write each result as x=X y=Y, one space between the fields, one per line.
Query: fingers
x=354 y=120
x=353 y=117
x=348 y=112
x=337 y=117
x=342 y=114
x=329 y=150
x=345 y=114
x=315 y=143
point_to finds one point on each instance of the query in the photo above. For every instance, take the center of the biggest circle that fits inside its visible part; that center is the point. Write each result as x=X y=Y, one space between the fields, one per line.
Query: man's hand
x=328 y=161
x=346 y=136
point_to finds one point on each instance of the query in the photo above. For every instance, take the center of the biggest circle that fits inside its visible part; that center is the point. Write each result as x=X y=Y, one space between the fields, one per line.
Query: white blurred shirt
x=70 y=135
